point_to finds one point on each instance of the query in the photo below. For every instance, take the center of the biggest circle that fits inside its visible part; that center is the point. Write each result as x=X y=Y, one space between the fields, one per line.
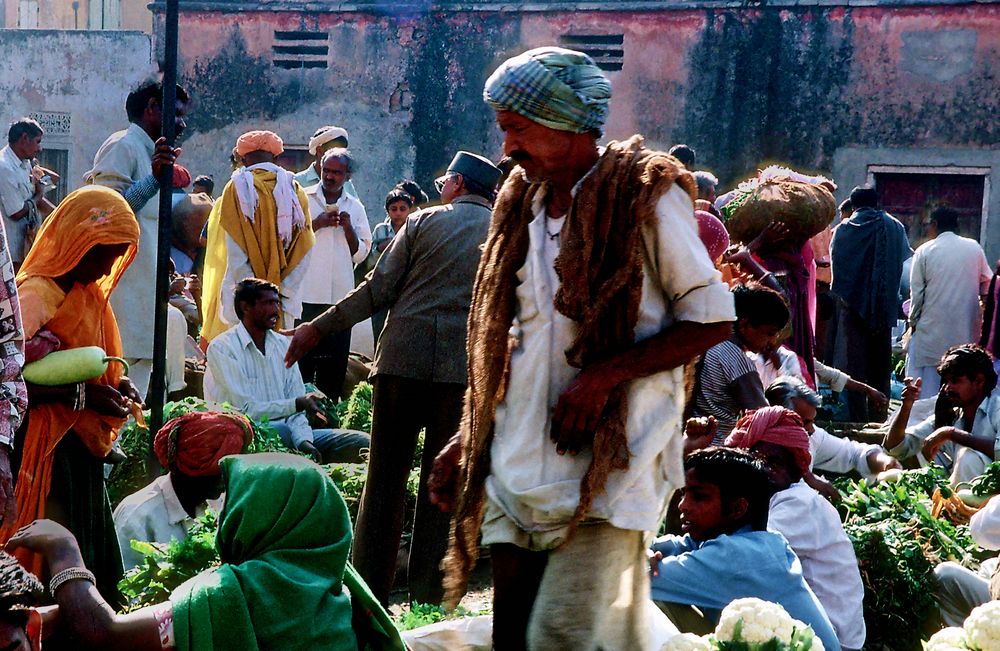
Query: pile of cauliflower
x=980 y=632
x=752 y=622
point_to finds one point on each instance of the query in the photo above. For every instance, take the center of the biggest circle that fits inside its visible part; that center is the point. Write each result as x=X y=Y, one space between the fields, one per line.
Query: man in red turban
x=809 y=523
x=189 y=447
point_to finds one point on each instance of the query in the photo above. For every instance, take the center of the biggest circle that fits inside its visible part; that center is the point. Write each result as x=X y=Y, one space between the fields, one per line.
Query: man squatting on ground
x=594 y=265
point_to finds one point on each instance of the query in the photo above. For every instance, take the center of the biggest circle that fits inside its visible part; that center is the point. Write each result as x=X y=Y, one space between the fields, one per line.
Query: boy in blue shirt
x=726 y=552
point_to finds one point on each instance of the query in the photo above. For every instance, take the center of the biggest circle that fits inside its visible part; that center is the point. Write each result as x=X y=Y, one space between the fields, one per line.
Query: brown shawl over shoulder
x=600 y=270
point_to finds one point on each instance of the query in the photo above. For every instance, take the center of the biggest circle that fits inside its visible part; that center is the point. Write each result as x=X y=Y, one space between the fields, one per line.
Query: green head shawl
x=284 y=538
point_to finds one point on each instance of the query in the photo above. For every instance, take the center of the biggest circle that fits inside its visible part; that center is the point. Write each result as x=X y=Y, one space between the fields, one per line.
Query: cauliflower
x=759 y=621
x=687 y=642
x=804 y=632
x=982 y=627
x=947 y=639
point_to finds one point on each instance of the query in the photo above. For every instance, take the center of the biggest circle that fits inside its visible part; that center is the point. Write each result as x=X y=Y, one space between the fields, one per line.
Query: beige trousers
x=594 y=591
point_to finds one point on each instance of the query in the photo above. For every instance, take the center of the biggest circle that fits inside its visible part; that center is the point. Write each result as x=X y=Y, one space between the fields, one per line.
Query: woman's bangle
x=70 y=574
x=80 y=400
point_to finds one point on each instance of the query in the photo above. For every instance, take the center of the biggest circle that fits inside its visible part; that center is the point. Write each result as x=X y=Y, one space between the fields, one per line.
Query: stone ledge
x=411 y=7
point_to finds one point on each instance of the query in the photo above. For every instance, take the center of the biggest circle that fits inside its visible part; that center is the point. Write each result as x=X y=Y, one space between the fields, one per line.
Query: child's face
x=398 y=211
x=758 y=338
x=702 y=512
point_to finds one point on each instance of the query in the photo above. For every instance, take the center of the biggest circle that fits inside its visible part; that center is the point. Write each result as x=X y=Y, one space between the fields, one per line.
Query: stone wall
x=75 y=82
x=792 y=82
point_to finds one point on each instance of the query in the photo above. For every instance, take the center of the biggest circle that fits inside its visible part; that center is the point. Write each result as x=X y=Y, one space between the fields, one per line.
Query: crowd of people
x=583 y=349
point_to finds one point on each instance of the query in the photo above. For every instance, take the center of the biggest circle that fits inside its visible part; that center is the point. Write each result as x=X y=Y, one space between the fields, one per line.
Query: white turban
x=325 y=135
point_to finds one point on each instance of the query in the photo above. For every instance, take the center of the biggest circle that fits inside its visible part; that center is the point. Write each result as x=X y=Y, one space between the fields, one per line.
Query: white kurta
x=124 y=158
x=814 y=532
x=947 y=277
x=536 y=487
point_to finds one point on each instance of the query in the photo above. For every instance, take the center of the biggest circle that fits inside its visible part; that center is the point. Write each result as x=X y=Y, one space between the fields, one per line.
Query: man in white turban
x=325 y=139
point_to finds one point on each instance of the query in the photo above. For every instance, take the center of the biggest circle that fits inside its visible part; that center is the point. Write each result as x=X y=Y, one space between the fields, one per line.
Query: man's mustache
x=520 y=156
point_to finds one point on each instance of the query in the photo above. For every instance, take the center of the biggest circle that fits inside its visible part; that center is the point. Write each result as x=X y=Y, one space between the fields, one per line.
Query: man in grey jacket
x=425 y=279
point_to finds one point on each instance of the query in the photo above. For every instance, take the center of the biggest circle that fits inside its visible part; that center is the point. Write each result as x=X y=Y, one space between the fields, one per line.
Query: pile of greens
x=898 y=543
x=987 y=483
x=165 y=567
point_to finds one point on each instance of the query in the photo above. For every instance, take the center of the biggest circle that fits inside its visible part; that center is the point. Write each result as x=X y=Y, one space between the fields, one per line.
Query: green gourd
x=70 y=366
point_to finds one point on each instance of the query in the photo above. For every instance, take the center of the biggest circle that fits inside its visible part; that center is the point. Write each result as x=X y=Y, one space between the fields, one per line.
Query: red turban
x=182 y=177
x=259 y=141
x=192 y=444
x=775 y=425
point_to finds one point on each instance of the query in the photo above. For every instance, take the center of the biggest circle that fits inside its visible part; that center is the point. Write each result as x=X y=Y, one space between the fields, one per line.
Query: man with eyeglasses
x=424 y=278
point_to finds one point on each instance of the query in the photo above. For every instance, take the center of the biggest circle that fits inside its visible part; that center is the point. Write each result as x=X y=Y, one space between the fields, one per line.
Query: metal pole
x=169 y=108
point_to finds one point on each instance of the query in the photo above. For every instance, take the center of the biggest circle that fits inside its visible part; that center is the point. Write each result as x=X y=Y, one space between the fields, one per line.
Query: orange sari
x=81 y=317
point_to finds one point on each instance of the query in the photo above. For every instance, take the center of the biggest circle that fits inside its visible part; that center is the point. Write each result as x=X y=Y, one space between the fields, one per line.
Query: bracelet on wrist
x=70 y=574
x=80 y=399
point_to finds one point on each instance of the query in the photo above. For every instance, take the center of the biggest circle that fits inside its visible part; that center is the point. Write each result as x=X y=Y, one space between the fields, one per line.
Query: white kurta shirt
x=840 y=455
x=947 y=277
x=154 y=514
x=16 y=187
x=329 y=274
x=258 y=384
x=814 y=532
x=540 y=489
x=124 y=158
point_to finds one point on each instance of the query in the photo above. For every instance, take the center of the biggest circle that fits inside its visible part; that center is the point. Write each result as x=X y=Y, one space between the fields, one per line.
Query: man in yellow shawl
x=259 y=228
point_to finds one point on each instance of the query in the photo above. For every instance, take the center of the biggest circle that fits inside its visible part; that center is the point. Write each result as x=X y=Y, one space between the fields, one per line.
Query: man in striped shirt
x=728 y=382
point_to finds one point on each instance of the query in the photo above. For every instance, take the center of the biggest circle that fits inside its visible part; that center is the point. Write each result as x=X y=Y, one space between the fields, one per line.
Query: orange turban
x=192 y=444
x=775 y=425
x=259 y=141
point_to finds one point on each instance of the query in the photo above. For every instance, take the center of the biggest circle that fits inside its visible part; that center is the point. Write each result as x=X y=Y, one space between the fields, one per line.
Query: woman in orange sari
x=64 y=285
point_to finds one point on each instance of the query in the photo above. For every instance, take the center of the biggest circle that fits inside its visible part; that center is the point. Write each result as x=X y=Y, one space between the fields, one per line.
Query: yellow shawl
x=258 y=239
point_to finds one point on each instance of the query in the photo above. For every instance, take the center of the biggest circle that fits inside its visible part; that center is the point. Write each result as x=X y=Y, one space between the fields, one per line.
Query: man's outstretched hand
x=304 y=338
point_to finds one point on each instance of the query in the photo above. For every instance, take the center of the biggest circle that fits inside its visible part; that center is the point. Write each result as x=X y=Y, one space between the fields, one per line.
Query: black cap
x=475 y=167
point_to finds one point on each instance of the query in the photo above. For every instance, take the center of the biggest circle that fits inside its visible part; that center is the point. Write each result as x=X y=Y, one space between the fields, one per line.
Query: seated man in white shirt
x=961 y=436
x=189 y=448
x=959 y=589
x=829 y=452
x=246 y=368
x=809 y=523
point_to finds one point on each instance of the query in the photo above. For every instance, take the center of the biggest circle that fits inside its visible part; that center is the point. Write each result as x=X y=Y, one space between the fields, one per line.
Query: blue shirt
x=746 y=563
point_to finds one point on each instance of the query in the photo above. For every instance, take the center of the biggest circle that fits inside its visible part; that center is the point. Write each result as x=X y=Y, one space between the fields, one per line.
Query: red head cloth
x=192 y=444
x=182 y=177
x=775 y=425
x=259 y=141
x=713 y=234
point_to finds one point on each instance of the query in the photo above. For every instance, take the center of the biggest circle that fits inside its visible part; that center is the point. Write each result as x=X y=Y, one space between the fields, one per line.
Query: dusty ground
x=479 y=599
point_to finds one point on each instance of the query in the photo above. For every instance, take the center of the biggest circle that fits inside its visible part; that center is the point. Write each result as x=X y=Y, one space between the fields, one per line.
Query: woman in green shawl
x=284 y=538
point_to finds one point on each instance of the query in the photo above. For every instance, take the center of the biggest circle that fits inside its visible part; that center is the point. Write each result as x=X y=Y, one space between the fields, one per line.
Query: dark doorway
x=910 y=198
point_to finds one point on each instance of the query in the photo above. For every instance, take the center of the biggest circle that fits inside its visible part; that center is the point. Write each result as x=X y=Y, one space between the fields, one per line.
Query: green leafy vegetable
x=165 y=567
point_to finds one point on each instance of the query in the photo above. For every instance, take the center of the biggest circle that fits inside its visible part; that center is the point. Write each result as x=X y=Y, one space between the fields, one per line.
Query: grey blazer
x=425 y=280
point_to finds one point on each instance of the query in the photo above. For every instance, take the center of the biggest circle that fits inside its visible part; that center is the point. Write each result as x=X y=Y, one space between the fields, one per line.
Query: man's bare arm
x=582 y=404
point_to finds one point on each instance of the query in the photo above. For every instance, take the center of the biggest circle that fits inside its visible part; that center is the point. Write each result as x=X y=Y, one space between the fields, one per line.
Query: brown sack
x=806 y=209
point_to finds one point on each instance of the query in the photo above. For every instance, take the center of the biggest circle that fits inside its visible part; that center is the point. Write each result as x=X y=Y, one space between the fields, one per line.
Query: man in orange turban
x=259 y=228
x=189 y=447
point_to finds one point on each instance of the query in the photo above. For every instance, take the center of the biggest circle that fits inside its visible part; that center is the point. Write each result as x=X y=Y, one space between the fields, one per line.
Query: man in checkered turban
x=571 y=441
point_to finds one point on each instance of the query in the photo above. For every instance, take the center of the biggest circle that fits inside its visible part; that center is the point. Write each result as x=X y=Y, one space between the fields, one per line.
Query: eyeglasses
x=440 y=181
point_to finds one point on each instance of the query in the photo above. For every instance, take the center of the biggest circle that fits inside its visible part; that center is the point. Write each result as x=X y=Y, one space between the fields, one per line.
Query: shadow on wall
x=234 y=86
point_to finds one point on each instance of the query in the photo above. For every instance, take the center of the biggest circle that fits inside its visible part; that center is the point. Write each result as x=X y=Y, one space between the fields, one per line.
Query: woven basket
x=806 y=209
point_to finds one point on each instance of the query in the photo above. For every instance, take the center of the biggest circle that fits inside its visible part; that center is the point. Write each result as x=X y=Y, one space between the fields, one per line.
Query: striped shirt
x=719 y=368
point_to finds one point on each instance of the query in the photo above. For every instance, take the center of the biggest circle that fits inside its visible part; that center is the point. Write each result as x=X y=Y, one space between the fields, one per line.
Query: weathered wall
x=61 y=14
x=742 y=85
x=80 y=75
